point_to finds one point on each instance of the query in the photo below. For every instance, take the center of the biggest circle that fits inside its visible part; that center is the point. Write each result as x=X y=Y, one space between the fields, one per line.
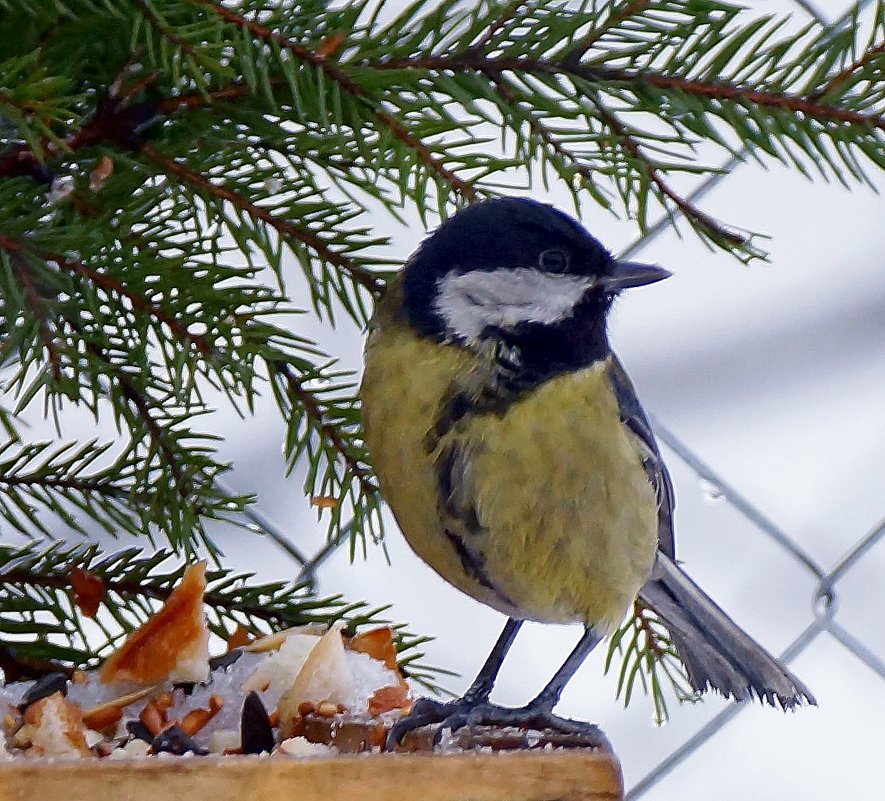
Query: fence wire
x=824 y=620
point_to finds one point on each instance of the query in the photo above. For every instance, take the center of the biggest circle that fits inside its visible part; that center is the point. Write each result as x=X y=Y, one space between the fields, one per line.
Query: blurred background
x=767 y=385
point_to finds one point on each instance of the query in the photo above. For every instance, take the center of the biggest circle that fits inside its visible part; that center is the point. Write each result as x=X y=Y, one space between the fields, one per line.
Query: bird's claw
x=464 y=713
x=425 y=712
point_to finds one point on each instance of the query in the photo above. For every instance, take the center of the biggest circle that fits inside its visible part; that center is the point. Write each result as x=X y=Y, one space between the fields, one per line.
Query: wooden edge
x=521 y=776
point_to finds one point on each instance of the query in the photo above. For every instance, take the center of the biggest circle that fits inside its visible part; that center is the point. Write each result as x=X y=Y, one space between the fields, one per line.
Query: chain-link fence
x=824 y=617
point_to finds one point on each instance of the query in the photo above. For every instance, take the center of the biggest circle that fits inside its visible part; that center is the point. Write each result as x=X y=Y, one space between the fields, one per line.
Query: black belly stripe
x=452 y=411
x=473 y=564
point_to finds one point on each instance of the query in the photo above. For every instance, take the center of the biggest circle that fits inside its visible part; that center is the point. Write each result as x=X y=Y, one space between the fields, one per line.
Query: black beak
x=627 y=274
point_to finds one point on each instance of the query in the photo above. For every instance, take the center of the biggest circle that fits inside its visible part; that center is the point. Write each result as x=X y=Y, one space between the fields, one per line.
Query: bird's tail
x=716 y=652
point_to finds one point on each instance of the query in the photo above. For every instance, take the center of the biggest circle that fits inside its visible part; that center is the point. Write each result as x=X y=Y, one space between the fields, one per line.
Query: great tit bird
x=518 y=462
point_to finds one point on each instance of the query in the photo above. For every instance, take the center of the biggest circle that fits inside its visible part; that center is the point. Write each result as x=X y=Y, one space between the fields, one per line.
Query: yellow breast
x=569 y=519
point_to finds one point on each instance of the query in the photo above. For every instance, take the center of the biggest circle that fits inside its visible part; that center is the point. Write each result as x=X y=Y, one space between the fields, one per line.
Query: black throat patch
x=514 y=362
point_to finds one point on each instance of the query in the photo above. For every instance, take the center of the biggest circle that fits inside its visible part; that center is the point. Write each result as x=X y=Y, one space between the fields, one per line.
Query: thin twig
x=348 y=85
x=329 y=431
x=714 y=91
x=633 y=8
x=541 y=130
x=506 y=15
x=38 y=308
x=842 y=76
x=110 y=284
x=164 y=29
x=112 y=123
x=359 y=274
x=648 y=167
x=172 y=105
x=76 y=484
x=145 y=410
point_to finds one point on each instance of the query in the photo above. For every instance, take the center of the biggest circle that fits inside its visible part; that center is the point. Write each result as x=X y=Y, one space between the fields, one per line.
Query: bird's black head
x=521 y=271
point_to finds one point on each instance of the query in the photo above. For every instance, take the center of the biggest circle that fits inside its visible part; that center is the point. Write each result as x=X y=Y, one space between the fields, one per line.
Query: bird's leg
x=541 y=706
x=426 y=711
x=482 y=685
x=538 y=713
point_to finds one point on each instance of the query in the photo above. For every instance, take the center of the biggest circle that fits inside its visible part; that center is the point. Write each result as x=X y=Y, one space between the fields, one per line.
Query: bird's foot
x=474 y=716
x=426 y=712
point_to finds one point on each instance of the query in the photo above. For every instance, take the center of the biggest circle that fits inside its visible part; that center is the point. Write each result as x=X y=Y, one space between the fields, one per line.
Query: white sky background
x=775 y=376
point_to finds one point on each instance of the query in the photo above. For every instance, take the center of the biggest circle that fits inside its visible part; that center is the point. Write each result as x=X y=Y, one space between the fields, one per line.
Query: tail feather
x=716 y=652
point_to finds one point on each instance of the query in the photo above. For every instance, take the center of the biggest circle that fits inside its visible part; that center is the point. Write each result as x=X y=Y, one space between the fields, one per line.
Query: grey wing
x=633 y=416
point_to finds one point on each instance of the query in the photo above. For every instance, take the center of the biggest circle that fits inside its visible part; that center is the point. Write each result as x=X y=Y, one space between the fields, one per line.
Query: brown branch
x=640 y=615
x=171 y=105
x=127 y=388
x=315 y=413
x=842 y=76
x=155 y=430
x=648 y=167
x=110 y=124
x=348 y=85
x=713 y=91
x=126 y=588
x=38 y=308
x=359 y=274
x=110 y=284
x=142 y=406
x=138 y=301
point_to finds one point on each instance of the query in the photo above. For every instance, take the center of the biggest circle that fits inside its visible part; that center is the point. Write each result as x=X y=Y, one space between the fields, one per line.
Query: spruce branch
x=330 y=432
x=110 y=284
x=650 y=171
x=746 y=96
x=644 y=651
x=135 y=583
x=508 y=13
x=616 y=16
x=343 y=262
x=323 y=415
x=875 y=53
x=568 y=160
x=64 y=479
x=37 y=306
x=343 y=80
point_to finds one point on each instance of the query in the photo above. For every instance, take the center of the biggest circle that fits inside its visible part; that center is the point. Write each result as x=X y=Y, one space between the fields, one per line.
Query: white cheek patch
x=470 y=302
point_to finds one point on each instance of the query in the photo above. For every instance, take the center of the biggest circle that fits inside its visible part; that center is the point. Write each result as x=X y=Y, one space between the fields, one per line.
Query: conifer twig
x=38 y=306
x=348 y=85
x=309 y=403
x=843 y=75
x=286 y=227
x=700 y=217
x=491 y=65
x=110 y=284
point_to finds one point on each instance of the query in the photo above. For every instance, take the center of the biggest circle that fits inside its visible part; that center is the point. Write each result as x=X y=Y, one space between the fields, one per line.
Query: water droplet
x=825 y=602
x=711 y=491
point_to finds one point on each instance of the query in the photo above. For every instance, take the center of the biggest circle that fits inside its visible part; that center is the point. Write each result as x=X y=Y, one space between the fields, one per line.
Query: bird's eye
x=554 y=261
